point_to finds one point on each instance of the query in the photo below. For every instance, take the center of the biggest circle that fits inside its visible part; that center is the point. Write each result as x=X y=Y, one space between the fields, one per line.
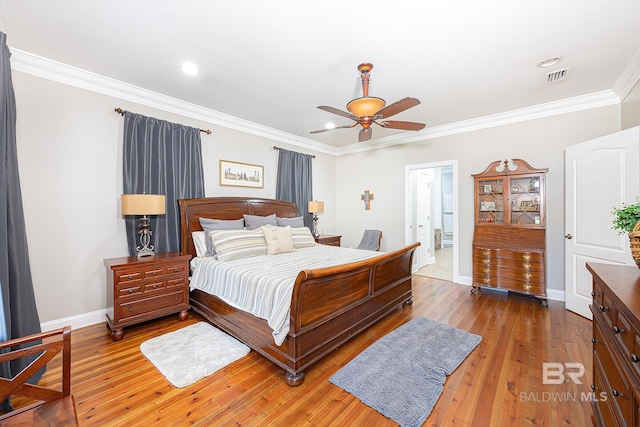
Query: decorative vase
x=634 y=239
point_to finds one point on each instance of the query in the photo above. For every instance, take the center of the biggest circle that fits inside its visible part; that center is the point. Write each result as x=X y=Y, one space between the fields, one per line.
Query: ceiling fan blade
x=365 y=134
x=337 y=127
x=398 y=124
x=338 y=112
x=396 y=107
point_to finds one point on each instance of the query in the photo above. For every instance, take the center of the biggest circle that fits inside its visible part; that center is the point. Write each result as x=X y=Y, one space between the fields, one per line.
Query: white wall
x=540 y=142
x=70 y=162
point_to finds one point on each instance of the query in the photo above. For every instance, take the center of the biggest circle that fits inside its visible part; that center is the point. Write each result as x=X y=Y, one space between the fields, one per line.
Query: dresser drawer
x=140 y=307
x=176 y=268
x=128 y=276
x=128 y=290
x=614 y=382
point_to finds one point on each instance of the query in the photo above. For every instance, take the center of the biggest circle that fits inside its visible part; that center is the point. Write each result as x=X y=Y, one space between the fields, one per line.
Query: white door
x=599 y=174
x=423 y=219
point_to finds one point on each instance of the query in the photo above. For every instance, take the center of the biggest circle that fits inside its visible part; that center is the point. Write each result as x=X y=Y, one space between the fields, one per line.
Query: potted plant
x=626 y=219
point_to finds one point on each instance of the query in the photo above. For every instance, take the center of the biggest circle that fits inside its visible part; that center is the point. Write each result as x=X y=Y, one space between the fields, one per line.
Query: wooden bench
x=53 y=406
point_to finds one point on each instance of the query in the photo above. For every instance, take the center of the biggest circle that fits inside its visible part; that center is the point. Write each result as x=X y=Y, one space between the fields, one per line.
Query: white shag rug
x=192 y=353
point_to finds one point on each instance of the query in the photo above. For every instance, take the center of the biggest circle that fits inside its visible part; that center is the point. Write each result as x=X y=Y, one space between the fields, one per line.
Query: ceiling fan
x=367 y=110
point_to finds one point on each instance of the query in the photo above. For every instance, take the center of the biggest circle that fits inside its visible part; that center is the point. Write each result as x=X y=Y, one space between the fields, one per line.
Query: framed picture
x=534 y=185
x=487 y=206
x=237 y=174
x=487 y=188
x=528 y=205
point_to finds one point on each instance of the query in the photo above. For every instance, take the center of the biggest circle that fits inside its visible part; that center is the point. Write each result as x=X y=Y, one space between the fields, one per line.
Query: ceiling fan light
x=366 y=106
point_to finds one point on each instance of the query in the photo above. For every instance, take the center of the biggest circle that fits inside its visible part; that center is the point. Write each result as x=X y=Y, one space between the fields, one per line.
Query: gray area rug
x=402 y=374
x=192 y=353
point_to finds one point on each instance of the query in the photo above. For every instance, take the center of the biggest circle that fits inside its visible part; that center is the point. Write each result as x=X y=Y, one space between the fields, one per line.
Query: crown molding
x=569 y=105
x=62 y=73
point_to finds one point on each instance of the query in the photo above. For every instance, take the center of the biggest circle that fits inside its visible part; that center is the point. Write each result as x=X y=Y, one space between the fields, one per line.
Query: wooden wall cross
x=367 y=197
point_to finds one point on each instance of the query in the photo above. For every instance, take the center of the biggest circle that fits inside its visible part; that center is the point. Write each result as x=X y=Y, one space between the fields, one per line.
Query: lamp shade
x=143 y=204
x=315 y=207
x=365 y=106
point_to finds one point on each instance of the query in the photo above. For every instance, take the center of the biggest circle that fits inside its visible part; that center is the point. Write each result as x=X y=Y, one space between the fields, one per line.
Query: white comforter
x=263 y=285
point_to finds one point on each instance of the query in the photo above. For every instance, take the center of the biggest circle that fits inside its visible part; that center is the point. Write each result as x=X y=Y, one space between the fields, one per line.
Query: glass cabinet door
x=524 y=199
x=490 y=197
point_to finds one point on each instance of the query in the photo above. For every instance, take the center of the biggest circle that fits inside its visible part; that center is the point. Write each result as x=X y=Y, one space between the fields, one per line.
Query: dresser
x=616 y=344
x=141 y=289
x=509 y=234
x=328 y=239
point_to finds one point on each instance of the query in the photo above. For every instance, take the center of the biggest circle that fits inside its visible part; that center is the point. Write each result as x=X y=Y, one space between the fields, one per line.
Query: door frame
x=408 y=211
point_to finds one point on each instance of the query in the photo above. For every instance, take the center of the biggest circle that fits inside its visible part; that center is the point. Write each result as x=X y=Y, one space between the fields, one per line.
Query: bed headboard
x=225 y=208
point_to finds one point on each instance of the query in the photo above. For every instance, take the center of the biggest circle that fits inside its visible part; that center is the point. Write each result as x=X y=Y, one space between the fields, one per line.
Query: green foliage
x=626 y=217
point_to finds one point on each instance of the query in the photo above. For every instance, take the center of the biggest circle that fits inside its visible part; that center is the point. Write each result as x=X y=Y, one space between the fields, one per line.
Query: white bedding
x=263 y=285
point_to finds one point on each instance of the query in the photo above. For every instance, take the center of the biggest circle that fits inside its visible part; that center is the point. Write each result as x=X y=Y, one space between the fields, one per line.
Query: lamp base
x=144 y=252
x=315 y=226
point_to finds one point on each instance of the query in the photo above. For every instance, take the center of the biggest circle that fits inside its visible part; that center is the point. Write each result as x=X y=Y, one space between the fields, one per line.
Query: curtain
x=293 y=182
x=161 y=158
x=18 y=313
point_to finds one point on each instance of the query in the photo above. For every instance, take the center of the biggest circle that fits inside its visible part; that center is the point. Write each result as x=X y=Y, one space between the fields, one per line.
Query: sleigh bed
x=328 y=305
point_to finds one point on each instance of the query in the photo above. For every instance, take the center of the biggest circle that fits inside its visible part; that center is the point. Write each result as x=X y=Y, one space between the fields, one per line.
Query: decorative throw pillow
x=293 y=222
x=199 y=242
x=279 y=239
x=254 y=221
x=235 y=244
x=209 y=224
x=302 y=237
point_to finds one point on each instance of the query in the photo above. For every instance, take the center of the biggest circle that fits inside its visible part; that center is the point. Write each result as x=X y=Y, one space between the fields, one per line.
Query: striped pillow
x=235 y=244
x=302 y=237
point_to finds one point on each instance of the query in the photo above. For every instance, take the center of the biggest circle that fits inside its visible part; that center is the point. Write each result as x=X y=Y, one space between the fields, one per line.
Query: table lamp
x=315 y=207
x=144 y=205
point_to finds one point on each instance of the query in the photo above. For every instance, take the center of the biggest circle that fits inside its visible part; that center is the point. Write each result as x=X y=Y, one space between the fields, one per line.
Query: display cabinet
x=509 y=234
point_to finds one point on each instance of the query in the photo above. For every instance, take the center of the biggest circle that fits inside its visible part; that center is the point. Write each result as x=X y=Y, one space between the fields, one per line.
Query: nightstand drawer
x=147 y=305
x=156 y=272
x=176 y=268
x=125 y=277
x=155 y=286
x=128 y=290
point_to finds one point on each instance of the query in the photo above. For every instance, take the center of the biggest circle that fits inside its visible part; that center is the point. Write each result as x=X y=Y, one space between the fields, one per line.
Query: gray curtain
x=293 y=182
x=18 y=314
x=161 y=158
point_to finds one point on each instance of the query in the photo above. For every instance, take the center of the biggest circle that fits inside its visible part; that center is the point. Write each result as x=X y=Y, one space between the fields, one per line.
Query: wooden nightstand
x=328 y=239
x=141 y=289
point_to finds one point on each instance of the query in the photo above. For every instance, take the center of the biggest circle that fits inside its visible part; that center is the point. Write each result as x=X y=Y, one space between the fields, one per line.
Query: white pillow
x=235 y=244
x=199 y=243
x=302 y=237
x=279 y=239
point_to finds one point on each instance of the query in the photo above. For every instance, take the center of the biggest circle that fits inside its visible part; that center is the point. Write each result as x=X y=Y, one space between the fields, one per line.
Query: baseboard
x=555 y=295
x=78 y=321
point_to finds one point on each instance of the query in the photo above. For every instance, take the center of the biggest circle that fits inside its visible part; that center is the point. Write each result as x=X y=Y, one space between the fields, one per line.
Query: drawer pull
x=603 y=308
x=617 y=330
x=527 y=275
x=130 y=277
x=593 y=294
x=130 y=309
x=635 y=358
x=485 y=253
x=155 y=286
x=155 y=272
x=486 y=261
x=130 y=291
x=595 y=341
x=616 y=393
x=526 y=265
x=487 y=270
x=527 y=257
x=485 y=280
x=175 y=299
x=527 y=287
x=594 y=388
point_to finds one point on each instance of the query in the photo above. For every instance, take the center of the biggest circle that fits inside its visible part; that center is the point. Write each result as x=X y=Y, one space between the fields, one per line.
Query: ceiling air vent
x=558 y=76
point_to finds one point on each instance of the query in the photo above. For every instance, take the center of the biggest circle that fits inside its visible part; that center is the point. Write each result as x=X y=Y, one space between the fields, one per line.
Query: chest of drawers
x=141 y=289
x=616 y=344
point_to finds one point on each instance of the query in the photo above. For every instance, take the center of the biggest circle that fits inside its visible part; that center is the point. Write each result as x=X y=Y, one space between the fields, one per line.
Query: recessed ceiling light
x=550 y=62
x=190 y=68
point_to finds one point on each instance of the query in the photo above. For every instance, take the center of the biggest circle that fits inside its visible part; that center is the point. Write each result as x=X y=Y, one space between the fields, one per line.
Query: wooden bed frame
x=329 y=305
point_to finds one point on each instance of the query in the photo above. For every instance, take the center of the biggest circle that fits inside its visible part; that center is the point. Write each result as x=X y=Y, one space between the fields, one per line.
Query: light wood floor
x=499 y=384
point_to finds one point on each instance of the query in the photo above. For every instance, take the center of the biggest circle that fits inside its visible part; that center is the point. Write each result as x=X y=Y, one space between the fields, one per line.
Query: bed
x=328 y=305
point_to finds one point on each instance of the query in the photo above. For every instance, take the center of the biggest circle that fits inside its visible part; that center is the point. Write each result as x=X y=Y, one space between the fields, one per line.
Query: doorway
x=433 y=186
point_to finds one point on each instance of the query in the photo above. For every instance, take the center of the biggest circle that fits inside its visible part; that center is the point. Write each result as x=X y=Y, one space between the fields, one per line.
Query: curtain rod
x=121 y=112
x=313 y=156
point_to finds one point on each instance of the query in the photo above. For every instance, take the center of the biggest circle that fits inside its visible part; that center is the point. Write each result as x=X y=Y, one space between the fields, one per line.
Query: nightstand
x=141 y=289
x=328 y=239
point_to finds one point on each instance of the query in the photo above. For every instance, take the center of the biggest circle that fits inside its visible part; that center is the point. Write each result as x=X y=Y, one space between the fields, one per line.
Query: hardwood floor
x=500 y=383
